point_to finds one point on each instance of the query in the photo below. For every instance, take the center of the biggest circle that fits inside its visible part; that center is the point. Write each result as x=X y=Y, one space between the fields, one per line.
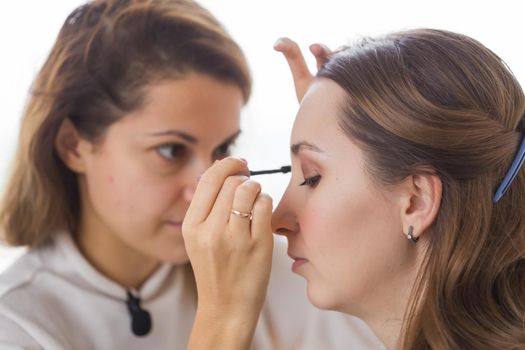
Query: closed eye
x=311 y=181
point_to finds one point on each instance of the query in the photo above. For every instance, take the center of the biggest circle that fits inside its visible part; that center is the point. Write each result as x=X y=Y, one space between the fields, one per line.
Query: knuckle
x=326 y=49
x=232 y=160
x=220 y=169
x=294 y=49
x=264 y=202
x=289 y=42
x=256 y=186
x=243 y=191
x=188 y=230
x=250 y=186
x=248 y=189
x=234 y=181
x=208 y=178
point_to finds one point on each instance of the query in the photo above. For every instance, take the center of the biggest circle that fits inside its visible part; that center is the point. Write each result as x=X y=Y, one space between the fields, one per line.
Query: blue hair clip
x=511 y=174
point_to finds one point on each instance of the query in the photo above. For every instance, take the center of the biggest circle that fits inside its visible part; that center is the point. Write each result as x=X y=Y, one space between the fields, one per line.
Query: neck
x=110 y=255
x=115 y=260
x=388 y=328
x=385 y=312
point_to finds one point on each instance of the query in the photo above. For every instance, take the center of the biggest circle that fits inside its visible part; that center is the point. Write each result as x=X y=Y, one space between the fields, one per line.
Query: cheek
x=127 y=193
x=335 y=228
x=327 y=230
x=351 y=239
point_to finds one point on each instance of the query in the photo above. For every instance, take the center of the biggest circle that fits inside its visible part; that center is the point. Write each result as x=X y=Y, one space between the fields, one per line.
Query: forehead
x=319 y=111
x=198 y=105
x=195 y=104
x=192 y=97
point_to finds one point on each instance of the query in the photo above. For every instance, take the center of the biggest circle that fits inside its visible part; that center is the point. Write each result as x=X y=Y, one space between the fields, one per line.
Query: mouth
x=174 y=223
x=297 y=261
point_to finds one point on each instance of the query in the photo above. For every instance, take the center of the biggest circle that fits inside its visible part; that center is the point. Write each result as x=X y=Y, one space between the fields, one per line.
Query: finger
x=321 y=53
x=209 y=186
x=262 y=217
x=243 y=202
x=300 y=72
x=220 y=213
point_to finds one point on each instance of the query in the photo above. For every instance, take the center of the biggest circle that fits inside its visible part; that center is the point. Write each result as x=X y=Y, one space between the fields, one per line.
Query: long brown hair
x=106 y=53
x=431 y=100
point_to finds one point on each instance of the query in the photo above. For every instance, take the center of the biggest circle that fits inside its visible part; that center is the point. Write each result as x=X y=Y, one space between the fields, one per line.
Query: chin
x=171 y=252
x=321 y=297
x=176 y=257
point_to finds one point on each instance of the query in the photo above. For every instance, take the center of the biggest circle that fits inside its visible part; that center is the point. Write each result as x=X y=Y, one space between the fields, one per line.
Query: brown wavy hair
x=431 y=99
x=106 y=53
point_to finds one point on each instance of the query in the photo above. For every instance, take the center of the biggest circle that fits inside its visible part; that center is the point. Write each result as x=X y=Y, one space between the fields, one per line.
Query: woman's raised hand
x=300 y=72
x=228 y=237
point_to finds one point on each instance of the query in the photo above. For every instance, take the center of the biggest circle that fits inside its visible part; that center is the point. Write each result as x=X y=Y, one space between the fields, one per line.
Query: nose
x=284 y=218
x=193 y=176
x=188 y=193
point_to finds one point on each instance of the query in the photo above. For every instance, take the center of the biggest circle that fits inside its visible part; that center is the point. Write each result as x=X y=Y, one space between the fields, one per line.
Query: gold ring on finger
x=243 y=215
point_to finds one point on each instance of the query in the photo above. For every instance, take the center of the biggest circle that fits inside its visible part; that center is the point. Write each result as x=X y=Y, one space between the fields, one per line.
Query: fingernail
x=315 y=48
x=244 y=160
x=278 y=43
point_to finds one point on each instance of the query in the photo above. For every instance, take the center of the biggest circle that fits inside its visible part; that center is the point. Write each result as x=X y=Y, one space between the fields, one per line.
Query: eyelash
x=311 y=181
x=220 y=152
x=223 y=150
x=180 y=148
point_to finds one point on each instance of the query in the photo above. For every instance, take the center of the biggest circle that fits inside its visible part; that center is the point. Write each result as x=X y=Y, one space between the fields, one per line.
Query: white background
x=28 y=29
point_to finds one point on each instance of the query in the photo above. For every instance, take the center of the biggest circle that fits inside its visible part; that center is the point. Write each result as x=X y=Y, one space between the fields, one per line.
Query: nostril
x=282 y=232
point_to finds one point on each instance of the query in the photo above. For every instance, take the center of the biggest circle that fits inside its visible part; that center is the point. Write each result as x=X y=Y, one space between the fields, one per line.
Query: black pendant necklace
x=140 y=318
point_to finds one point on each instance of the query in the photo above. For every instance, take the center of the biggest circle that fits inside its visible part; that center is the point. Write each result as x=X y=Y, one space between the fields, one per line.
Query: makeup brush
x=284 y=169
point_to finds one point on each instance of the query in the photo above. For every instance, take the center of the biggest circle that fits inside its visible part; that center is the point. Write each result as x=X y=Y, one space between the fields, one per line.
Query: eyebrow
x=232 y=138
x=181 y=134
x=190 y=138
x=304 y=145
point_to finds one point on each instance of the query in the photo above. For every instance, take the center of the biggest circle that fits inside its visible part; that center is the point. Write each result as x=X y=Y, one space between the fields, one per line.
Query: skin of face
x=136 y=185
x=344 y=232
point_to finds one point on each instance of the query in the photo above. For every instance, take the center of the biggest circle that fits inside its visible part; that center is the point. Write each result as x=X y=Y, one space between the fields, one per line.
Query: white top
x=52 y=298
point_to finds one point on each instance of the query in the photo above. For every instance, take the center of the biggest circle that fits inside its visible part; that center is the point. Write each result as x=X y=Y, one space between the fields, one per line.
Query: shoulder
x=20 y=274
x=21 y=286
x=34 y=271
x=30 y=284
x=13 y=337
x=14 y=285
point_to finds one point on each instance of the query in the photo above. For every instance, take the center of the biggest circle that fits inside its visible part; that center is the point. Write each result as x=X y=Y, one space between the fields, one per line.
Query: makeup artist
x=135 y=101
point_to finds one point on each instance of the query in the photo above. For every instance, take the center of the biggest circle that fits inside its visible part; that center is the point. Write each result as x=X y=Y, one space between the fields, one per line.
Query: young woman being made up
x=406 y=201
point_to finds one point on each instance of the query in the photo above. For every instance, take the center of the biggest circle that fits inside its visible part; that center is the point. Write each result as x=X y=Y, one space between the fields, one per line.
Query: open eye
x=311 y=181
x=172 y=151
x=223 y=150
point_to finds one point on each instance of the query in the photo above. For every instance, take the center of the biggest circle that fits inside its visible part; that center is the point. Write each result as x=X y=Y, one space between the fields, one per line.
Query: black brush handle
x=284 y=169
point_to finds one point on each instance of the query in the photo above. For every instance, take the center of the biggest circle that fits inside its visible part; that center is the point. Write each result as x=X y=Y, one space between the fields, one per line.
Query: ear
x=420 y=202
x=71 y=148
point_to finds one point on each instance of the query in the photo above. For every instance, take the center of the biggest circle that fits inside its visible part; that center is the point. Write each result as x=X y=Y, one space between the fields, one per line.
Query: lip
x=174 y=223
x=297 y=261
x=294 y=256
